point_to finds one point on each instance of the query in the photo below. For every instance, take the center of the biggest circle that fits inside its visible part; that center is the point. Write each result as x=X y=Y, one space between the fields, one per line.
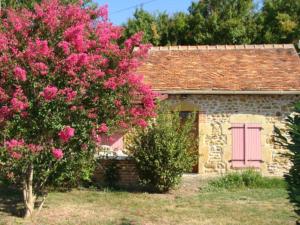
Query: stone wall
x=125 y=167
x=216 y=113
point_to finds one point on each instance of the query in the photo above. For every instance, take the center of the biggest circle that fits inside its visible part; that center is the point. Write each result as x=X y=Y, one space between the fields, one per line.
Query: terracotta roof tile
x=223 y=68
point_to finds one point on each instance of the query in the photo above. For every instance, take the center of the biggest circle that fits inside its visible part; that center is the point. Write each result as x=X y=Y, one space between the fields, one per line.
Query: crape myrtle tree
x=30 y=3
x=66 y=81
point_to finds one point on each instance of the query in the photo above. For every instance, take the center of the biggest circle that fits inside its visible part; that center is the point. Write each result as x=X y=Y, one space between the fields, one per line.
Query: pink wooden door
x=238 y=145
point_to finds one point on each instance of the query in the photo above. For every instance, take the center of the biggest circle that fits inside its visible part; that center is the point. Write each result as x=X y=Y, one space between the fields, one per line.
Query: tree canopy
x=221 y=22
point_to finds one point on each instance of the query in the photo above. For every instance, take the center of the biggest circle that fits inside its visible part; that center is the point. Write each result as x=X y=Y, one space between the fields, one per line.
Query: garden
x=211 y=204
x=67 y=83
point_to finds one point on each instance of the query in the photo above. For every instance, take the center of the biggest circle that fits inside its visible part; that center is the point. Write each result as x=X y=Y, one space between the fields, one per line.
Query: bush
x=290 y=139
x=162 y=152
x=246 y=179
x=111 y=175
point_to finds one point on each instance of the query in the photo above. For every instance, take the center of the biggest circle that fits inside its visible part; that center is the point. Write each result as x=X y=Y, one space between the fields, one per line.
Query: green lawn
x=256 y=206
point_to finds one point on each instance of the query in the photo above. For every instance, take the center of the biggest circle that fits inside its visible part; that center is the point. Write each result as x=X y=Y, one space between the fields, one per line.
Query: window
x=246 y=145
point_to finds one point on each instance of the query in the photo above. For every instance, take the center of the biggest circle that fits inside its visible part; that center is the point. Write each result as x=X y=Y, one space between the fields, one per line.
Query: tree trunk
x=28 y=195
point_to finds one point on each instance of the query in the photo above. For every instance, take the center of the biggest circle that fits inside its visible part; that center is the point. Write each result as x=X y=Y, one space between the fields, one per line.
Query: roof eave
x=224 y=92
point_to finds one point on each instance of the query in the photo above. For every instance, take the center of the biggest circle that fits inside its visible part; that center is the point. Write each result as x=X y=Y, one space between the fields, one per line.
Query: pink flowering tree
x=67 y=79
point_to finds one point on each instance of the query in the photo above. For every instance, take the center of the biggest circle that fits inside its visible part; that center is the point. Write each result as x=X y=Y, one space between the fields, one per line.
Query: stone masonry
x=216 y=113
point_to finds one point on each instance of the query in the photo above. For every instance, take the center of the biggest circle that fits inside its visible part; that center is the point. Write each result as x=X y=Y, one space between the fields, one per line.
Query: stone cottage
x=240 y=93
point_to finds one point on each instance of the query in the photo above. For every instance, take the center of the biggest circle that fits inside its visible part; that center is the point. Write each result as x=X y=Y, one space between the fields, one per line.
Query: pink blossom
x=3 y=95
x=19 y=101
x=4 y=112
x=110 y=83
x=92 y=115
x=134 y=79
x=24 y=114
x=135 y=112
x=42 y=47
x=75 y=36
x=97 y=138
x=148 y=102
x=16 y=155
x=66 y=133
x=38 y=49
x=124 y=125
x=82 y=59
x=18 y=22
x=18 y=105
x=82 y=62
x=72 y=60
x=103 y=128
x=48 y=12
x=73 y=108
x=143 y=50
x=134 y=40
x=118 y=103
x=65 y=46
x=70 y=94
x=74 y=31
x=3 y=42
x=34 y=148
x=103 y=12
x=99 y=74
x=122 y=111
x=41 y=68
x=142 y=123
x=49 y=93
x=20 y=73
x=14 y=143
x=57 y=153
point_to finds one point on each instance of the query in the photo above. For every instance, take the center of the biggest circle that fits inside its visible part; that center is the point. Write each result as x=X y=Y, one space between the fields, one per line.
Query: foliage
x=162 y=152
x=146 y=22
x=77 y=171
x=30 y=3
x=281 y=21
x=158 y=29
x=111 y=175
x=221 y=22
x=67 y=81
x=290 y=139
x=245 y=179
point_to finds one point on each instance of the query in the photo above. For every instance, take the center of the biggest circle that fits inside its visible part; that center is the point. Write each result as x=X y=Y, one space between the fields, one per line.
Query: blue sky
x=121 y=10
x=118 y=17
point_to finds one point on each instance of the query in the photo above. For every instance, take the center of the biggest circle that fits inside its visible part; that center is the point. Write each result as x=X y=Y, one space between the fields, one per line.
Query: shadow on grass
x=11 y=201
x=125 y=221
x=293 y=188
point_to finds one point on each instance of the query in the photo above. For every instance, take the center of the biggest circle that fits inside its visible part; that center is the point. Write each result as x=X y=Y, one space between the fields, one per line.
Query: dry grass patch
x=253 y=206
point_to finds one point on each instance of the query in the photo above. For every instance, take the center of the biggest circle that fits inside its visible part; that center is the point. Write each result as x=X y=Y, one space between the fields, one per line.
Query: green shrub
x=161 y=151
x=111 y=175
x=290 y=139
x=245 y=179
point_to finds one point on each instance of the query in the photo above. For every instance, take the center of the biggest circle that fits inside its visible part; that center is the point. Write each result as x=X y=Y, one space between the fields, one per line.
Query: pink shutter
x=253 y=145
x=238 y=145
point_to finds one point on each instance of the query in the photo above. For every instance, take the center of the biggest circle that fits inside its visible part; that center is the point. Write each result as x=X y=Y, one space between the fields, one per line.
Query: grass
x=246 y=179
x=241 y=206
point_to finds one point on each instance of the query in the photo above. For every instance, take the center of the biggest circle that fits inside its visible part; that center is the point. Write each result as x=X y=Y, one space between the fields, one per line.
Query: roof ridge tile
x=221 y=47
